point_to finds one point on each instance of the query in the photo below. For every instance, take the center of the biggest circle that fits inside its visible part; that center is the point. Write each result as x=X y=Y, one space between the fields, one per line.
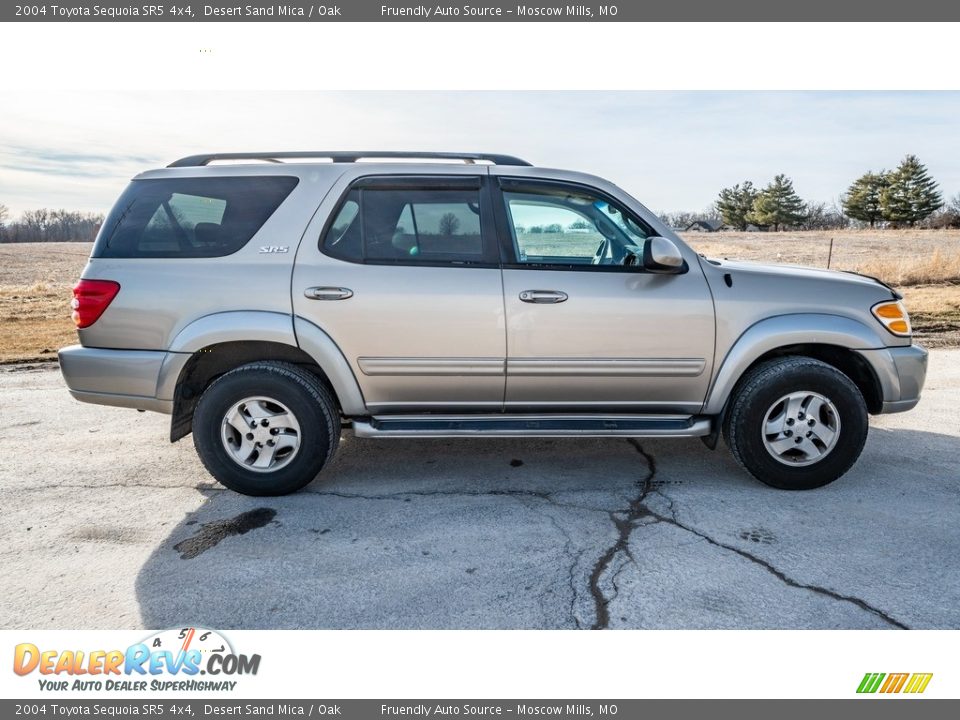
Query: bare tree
x=45 y=225
x=821 y=216
x=947 y=217
x=35 y=222
x=683 y=219
x=449 y=224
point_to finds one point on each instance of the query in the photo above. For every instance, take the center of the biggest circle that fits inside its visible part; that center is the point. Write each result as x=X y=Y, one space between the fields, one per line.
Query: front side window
x=189 y=217
x=560 y=225
x=416 y=225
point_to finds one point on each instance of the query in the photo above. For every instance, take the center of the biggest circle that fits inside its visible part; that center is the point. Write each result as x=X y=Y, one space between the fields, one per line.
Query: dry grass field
x=898 y=257
x=35 y=284
x=924 y=265
x=36 y=278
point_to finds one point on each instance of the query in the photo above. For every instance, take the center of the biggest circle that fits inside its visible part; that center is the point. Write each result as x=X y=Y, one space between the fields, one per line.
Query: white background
x=561 y=664
x=620 y=664
x=489 y=56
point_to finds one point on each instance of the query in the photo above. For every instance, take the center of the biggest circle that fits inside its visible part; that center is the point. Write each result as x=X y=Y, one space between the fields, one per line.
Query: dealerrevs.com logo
x=892 y=683
x=170 y=660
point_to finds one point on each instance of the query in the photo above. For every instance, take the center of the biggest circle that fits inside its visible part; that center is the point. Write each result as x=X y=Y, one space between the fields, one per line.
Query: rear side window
x=189 y=217
x=410 y=224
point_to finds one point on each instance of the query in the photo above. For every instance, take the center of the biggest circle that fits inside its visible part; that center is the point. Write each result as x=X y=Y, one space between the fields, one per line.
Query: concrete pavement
x=107 y=525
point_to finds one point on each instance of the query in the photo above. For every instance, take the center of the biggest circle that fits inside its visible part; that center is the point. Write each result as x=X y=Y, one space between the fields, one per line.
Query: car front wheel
x=796 y=423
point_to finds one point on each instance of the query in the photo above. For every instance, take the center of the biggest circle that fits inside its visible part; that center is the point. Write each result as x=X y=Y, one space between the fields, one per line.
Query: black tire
x=764 y=385
x=306 y=398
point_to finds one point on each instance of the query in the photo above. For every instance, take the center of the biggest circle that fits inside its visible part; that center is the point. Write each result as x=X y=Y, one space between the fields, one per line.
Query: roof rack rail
x=339 y=156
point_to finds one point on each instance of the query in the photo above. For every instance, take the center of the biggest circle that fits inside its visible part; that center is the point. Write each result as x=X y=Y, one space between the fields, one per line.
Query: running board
x=508 y=426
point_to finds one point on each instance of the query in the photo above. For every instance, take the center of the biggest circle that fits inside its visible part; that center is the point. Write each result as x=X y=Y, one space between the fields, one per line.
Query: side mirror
x=662 y=256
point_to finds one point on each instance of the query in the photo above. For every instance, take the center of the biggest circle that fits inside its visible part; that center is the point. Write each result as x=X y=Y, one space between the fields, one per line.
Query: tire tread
x=309 y=383
x=764 y=374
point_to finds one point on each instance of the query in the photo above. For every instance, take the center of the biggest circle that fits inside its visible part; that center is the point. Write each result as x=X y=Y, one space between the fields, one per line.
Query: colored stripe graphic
x=895 y=683
x=870 y=682
x=918 y=682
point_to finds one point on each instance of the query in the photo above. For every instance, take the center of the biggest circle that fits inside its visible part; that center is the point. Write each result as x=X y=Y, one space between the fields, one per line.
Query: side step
x=508 y=426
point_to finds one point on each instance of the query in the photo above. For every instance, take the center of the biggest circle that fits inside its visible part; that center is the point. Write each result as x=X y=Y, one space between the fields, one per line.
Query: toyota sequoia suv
x=266 y=300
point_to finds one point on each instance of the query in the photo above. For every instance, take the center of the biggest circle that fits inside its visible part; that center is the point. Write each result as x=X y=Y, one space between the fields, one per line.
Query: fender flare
x=221 y=327
x=321 y=347
x=234 y=326
x=254 y=325
x=781 y=331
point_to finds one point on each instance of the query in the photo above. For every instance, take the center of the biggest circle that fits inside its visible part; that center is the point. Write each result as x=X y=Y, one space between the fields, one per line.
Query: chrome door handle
x=543 y=296
x=328 y=293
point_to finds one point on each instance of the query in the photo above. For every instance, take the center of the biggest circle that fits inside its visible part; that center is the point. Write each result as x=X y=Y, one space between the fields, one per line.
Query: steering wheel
x=601 y=253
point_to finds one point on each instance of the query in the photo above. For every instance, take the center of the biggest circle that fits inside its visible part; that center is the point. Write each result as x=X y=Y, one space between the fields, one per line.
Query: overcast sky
x=673 y=151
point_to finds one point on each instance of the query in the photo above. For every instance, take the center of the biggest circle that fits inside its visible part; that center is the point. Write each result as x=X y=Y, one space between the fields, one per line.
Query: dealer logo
x=180 y=653
x=909 y=683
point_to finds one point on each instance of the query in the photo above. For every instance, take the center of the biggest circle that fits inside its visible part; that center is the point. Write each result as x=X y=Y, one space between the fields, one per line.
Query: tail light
x=90 y=299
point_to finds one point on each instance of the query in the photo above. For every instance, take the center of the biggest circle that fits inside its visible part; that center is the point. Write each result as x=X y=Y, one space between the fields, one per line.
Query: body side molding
x=431 y=366
x=606 y=367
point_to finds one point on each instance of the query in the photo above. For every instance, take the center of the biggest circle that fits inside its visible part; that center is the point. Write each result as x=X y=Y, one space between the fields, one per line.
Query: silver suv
x=266 y=300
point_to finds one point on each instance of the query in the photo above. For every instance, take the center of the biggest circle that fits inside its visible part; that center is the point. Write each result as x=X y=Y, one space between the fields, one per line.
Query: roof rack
x=338 y=156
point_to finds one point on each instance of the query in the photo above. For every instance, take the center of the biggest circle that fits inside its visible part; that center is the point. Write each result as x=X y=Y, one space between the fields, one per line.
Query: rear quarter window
x=190 y=217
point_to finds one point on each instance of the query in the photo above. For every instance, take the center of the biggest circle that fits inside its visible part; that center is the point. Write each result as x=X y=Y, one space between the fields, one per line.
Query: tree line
x=905 y=197
x=48 y=226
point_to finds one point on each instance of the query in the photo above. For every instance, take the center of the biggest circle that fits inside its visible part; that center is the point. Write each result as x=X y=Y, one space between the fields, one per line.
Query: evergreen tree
x=736 y=203
x=778 y=205
x=864 y=199
x=912 y=194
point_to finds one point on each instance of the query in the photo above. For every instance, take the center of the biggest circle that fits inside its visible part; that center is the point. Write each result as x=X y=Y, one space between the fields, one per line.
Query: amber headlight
x=894 y=317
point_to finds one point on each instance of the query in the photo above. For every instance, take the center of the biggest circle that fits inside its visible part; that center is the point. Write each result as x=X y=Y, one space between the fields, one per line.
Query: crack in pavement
x=403 y=496
x=568 y=546
x=571 y=569
x=626 y=521
x=770 y=568
x=520 y=495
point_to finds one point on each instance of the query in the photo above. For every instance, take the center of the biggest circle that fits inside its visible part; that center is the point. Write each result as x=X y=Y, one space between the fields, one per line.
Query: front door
x=587 y=328
x=406 y=281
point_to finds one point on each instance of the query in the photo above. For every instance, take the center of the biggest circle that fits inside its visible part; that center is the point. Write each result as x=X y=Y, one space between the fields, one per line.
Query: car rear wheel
x=796 y=423
x=266 y=428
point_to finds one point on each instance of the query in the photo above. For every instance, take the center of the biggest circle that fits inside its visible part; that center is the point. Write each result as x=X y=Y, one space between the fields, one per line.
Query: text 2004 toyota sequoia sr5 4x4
x=265 y=301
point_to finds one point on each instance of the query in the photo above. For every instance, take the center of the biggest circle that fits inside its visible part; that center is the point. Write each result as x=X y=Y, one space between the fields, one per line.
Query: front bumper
x=901 y=372
x=122 y=378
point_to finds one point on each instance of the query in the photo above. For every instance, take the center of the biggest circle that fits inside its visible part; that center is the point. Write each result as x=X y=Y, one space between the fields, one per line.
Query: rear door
x=406 y=281
x=587 y=327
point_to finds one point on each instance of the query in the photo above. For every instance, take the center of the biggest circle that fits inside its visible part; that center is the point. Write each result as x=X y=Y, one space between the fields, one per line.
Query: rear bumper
x=901 y=372
x=122 y=378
